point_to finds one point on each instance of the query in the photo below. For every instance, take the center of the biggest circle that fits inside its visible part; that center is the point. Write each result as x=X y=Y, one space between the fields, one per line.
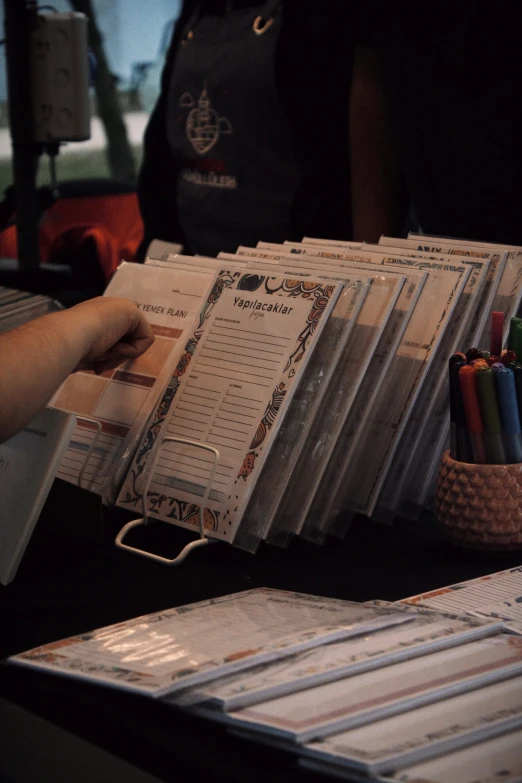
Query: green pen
x=514 y=322
x=517 y=372
x=517 y=339
x=490 y=413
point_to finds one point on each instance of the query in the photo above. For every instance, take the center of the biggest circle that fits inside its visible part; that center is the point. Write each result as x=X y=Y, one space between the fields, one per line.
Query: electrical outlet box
x=60 y=78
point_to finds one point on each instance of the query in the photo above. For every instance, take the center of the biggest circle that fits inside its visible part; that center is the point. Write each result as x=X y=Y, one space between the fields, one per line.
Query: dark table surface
x=73 y=579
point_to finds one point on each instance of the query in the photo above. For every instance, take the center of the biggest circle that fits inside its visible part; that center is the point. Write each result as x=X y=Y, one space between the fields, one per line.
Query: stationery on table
x=428 y=418
x=501 y=293
x=18 y=307
x=231 y=388
x=378 y=442
x=352 y=689
x=119 y=401
x=425 y=632
x=423 y=733
x=497 y=596
x=398 y=385
x=498 y=760
x=508 y=296
x=337 y=436
x=181 y=647
x=379 y=327
x=252 y=418
x=342 y=337
x=484 y=405
x=188 y=263
x=504 y=273
x=324 y=710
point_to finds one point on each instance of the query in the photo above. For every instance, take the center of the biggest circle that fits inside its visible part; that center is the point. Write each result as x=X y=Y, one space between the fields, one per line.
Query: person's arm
x=37 y=357
x=379 y=198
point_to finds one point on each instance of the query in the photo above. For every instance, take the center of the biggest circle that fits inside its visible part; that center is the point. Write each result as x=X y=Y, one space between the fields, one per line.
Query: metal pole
x=20 y=18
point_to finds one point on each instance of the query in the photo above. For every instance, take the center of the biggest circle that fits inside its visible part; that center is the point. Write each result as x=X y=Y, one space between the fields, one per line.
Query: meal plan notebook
x=177 y=648
x=231 y=388
x=121 y=400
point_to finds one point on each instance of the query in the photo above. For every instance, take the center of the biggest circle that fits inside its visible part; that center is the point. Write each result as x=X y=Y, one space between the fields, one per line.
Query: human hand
x=115 y=330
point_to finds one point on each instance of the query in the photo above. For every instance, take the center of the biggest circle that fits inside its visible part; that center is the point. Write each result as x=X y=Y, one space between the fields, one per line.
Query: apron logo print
x=203 y=127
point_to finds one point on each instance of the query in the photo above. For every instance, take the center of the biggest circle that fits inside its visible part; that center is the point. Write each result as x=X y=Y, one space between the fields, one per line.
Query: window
x=135 y=41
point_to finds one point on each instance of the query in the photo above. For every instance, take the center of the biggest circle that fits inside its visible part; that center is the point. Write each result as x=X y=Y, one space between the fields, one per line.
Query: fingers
x=134 y=345
x=123 y=350
x=105 y=365
x=120 y=330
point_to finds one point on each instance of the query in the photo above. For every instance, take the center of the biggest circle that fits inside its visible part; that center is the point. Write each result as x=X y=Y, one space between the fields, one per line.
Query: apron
x=233 y=149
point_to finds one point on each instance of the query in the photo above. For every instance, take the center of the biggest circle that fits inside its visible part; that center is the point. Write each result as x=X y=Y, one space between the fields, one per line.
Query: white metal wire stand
x=202 y=540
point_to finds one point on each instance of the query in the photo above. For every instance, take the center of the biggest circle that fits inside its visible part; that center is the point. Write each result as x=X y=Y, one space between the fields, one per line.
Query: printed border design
x=224 y=280
x=185 y=512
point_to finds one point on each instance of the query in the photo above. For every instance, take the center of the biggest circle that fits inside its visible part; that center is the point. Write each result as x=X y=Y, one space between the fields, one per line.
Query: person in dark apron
x=249 y=139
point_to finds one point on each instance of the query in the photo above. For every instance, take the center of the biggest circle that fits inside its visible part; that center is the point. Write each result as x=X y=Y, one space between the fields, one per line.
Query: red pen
x=472 y=412
x=497 y=332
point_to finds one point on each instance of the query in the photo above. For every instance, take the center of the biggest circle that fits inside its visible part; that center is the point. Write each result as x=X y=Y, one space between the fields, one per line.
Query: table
x=73 y=579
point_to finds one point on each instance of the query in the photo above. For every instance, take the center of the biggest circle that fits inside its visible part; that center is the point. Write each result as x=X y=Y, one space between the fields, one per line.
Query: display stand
x=202 y=540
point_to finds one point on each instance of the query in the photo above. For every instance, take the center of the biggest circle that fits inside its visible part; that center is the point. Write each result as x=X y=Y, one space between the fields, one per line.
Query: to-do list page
x=230 y=390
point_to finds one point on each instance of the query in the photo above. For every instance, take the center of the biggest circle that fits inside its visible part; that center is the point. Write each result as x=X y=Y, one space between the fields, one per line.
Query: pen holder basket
x=480 y=506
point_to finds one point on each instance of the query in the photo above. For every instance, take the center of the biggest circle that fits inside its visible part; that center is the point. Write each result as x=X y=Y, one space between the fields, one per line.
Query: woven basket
x=480 y=506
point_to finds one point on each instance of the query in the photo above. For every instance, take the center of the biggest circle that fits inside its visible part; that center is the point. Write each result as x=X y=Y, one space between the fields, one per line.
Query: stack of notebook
x=17 y=307
x=358 y=691
x=289 y=387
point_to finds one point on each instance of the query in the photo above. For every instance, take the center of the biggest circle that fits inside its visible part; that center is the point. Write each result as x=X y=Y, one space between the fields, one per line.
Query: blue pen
x=517 y=370
x=507 y=403
x=490 y=413
x=460 y=443
x=458 y=360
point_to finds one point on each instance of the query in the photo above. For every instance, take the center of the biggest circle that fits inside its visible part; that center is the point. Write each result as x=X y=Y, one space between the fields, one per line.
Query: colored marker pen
x=508 y=356
x=517 y=341
x=517 y=372
x=490 y=413
x=472 y=411
x=455 y=363
x=511 y=338
x=507 y=403
x=497 y=330
x=473 y=353
x=464 y=450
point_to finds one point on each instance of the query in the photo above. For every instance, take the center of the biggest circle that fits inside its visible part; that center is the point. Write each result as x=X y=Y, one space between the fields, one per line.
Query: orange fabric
x=112 y=222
